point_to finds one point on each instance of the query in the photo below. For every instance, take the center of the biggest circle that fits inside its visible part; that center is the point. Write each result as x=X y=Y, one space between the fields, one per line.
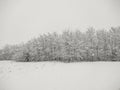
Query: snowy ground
x=59 y=76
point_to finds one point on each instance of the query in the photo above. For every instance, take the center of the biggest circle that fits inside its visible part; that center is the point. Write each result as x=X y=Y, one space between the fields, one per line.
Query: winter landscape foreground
x=59 y=76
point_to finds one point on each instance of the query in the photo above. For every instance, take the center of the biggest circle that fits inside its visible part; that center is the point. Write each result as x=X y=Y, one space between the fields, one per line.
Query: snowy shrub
x=92 y=45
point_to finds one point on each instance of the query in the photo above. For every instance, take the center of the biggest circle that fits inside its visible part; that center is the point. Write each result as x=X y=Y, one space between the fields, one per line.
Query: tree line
x=70 y=46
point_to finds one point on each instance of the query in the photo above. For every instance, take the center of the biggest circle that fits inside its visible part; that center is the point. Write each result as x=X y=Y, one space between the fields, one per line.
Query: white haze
x=21 y=20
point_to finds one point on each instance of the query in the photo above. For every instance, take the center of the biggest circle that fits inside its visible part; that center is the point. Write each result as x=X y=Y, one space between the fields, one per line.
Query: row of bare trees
x=92 y=45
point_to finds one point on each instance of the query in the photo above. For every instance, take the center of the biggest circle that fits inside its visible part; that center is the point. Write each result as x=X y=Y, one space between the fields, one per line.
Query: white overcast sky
x=21 y=20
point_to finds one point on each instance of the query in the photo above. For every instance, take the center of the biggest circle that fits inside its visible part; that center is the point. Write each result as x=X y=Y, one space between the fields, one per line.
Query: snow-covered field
x=59 y=76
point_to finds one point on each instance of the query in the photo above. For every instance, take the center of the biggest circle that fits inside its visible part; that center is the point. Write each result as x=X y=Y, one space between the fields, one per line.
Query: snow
x=59 y=76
